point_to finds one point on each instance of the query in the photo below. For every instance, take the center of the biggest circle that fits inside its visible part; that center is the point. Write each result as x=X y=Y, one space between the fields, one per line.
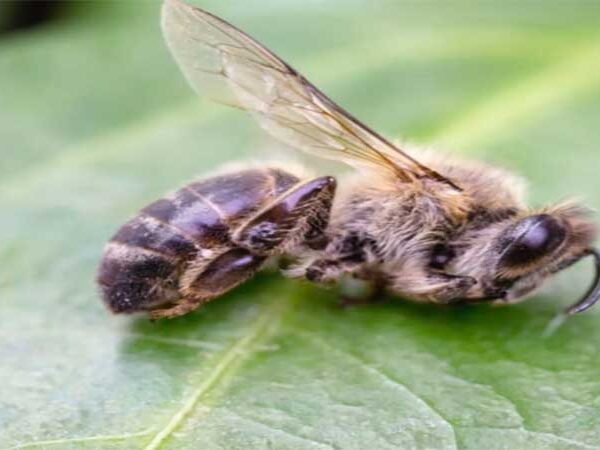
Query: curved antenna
x=592 y=296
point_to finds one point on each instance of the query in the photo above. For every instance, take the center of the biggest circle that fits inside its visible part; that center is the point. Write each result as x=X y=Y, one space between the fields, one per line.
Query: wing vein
x=229 y=66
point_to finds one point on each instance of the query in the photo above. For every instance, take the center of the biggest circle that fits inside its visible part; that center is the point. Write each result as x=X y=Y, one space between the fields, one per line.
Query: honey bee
x=427 y=228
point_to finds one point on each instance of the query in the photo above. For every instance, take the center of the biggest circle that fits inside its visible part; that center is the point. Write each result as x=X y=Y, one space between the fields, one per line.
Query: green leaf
x=96 y=121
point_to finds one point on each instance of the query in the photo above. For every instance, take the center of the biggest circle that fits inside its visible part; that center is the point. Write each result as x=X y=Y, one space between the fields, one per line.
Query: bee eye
x=441 y=255
x=532 y=238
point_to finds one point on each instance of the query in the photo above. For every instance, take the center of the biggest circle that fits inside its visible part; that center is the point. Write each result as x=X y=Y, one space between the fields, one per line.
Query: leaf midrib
x=264 y=326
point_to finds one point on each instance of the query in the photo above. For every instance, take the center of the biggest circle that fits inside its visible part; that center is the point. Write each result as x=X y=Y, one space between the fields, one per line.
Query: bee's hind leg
x=181 y=307
x=298 y=216
x=302 y=213
x=213 y=280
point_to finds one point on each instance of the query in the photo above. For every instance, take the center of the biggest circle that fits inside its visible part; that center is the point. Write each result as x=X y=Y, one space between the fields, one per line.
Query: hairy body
x=422 y=241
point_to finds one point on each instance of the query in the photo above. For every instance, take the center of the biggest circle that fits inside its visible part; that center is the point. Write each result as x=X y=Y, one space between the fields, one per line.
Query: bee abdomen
x=144 y=260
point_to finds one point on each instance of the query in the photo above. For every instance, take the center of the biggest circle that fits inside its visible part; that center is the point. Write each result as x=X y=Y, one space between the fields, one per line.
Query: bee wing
x=229 y=66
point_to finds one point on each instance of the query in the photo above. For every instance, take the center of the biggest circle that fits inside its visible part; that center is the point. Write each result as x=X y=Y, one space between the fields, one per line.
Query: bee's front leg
x=437 y=287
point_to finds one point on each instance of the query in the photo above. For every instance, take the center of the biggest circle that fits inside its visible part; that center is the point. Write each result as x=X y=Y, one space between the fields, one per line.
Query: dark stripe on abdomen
x=236 y=195
x=149 y=233
x=192 y=217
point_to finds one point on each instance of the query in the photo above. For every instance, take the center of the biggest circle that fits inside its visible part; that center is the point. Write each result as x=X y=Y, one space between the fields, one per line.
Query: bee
x=424 y=227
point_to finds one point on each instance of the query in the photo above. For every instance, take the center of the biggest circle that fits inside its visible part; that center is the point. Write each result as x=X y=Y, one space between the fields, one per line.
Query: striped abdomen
x=144 y=260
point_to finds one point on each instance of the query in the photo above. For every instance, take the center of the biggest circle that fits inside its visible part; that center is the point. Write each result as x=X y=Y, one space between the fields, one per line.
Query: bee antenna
x=593 y=294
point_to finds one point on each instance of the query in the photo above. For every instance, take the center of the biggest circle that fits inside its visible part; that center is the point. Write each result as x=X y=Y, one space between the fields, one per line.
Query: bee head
x=539 y=245
x=544 y=240
x=513 y=257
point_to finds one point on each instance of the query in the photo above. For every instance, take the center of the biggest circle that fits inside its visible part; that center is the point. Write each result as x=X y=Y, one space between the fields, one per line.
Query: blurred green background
x=96 y=121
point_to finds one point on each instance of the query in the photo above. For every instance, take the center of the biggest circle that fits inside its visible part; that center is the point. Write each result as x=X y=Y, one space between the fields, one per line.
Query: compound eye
x=533 y=237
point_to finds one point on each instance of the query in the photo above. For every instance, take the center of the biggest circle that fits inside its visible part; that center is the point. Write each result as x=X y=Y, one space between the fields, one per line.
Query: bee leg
x=347 y=254
x=182 y=307
x=441 y=288
x=453 y=290
x=302 y=213
x=219 y=276
x=326 y=270
x=299 y=215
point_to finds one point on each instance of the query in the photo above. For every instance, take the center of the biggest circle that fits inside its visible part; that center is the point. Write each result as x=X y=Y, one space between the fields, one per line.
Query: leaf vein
x=254 y=421
x=193 y=343
x=553 y=436
x=381 y=375
x=116 y=437
x=266 y=324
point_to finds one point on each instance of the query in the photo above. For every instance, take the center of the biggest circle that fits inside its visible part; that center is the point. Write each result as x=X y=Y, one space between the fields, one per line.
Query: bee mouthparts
x=593 y=293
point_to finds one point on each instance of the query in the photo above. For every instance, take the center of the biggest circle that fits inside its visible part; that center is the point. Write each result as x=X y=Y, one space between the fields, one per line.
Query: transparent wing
x=225 y=64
